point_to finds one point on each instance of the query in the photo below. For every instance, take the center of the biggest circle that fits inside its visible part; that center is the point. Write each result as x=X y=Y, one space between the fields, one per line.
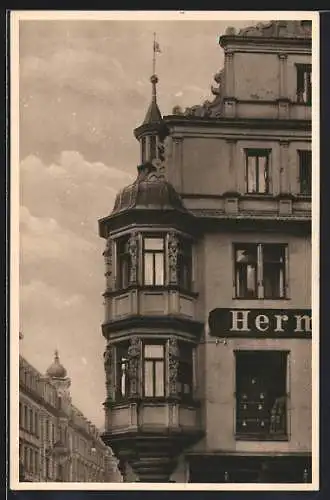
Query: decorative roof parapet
x=274 y=29
x=209 y=109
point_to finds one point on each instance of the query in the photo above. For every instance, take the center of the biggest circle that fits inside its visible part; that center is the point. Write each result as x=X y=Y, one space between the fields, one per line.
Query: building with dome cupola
x=208 y=277
x=57 y=443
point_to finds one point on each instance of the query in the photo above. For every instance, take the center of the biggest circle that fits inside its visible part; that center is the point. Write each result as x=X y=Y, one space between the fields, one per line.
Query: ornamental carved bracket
x=108 y=257
x=133 y=243
x=173 y=251
x=110 y=369
x=134 y=356
x=173 y=363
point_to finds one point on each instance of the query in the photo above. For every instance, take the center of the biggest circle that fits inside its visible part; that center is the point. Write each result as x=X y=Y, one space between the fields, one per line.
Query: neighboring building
x=56 y=441
x=208 y=277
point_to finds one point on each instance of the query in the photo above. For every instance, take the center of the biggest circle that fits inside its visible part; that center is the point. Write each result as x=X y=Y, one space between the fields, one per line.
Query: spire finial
x=56 y=356
x=154 y=78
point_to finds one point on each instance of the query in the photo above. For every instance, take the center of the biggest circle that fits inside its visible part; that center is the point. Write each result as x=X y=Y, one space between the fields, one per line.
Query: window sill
x=261 y=437
x=153 y=288
x=261 y=298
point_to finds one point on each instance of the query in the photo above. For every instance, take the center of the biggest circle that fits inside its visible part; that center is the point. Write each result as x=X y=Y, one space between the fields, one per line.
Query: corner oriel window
x=305 y=172
x=123 y=263
x=153 y=261
x=154 y=370
x=257 y=171
x=260 y=271
x=261 y=402
x=304 y=83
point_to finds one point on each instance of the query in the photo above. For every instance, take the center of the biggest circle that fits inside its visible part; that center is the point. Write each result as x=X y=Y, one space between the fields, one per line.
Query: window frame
x=282 y=360
x=256 y=154
x=301 y=70
x=185 y=263
x=186 y=358
x=121 y=347
x=122 y=258
x=260 y=274
x=154 y=361
x=308 y=170
x=159 y=236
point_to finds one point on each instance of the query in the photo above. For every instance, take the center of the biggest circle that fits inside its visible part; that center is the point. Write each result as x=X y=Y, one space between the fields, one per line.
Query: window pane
x=251 y=174
x=262 y=174
x=148 y=269
x=273 y=281
x=248 y=254
x=148 y=378
x=154 y=351
x=273 y=253
x=159 y=269
x=154 y=243
x=159 y=385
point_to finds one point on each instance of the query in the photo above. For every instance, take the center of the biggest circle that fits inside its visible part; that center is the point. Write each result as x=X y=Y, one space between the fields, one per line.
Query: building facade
x=56 y=441
x=208 y=277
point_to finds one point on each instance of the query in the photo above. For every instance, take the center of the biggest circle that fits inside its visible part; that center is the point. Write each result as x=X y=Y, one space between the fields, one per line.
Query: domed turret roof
x=56 y=369
x=149 y=191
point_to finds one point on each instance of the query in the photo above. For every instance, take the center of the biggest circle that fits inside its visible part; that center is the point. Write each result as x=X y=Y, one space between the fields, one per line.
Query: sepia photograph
x=164 y=236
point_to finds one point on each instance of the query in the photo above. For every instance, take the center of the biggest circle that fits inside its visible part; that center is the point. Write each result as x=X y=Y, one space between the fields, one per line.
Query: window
x=30 y=421
x=305 y=172
x=26 y=416
x=21 y=416
x=185 y=265
x=304 y=83
x=185 y=370
x=260 y=271
x=154 y=372
x=123 y=263
x=153 y=144
x=36 y=424
x=47 y=430
x=261 y=394
x=153 y=261
x=246 y=271
x=257 y=171
x=122 y=371
x=143 y=150
x=273 y=271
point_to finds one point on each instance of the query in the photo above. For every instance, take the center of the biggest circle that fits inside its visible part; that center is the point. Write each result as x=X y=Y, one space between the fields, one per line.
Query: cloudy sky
x=84 y=86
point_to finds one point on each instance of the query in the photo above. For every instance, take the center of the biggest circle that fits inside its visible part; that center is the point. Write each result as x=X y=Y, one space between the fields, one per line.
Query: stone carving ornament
x=173 y=361
x=109 y=367
x=134 y=354
x=133 y=251
x=108 y=263
x=173 y=251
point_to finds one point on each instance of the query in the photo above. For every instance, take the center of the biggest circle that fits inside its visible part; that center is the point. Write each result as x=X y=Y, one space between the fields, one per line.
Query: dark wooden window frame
x=154 y=361
x=145 y=251
x=260 y=280
x=257 y=153
x=305 y=163
x=303 y=69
